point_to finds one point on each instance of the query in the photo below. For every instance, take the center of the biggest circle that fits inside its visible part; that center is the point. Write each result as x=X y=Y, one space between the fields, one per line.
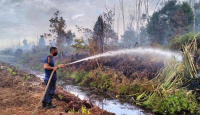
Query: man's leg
x=46 y=96
x=52 y=89
x=51 y=92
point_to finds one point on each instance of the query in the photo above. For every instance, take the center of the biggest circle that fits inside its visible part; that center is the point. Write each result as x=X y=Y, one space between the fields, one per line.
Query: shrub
x=176 y=103
x=10 y=70
x=67 y=74
x=178 y=41
x=79 y=76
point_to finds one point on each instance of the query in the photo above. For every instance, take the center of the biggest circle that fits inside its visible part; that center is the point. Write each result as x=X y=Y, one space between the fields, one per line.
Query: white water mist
x=136 y=51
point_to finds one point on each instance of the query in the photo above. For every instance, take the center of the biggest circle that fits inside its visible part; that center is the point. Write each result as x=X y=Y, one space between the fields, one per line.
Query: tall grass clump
x=171 y=93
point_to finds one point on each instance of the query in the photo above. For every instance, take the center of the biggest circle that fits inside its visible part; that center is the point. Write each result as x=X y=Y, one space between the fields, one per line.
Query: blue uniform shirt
x=49 y=60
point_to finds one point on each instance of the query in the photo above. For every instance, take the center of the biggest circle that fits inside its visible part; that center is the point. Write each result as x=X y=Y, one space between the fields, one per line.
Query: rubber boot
x=44 y=104
x=50 y=105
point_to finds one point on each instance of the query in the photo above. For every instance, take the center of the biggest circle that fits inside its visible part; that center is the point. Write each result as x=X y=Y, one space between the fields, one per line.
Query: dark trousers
x=50 y=91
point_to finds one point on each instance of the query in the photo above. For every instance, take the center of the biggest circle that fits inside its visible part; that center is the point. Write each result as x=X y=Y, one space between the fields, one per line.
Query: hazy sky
x=27 y=19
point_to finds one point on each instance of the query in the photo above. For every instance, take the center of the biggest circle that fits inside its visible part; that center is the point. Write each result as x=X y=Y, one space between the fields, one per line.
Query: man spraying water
x=48 y=68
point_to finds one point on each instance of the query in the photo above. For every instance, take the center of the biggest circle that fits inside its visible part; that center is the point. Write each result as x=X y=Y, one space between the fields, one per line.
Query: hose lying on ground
x=33 y=113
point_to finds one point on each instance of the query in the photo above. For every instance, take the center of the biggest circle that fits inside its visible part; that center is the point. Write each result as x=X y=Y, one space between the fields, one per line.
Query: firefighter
x=48 y=68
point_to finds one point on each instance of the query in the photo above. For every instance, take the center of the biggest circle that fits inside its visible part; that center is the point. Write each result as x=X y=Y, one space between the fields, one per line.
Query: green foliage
x=174 y=103
x=178 y=41
x=128 y=90
x=14 y=73
x=72 y=111
x=83 y=110
x=9 y=70
x=123 y=90
x=60 y=96
x=88 y=112
x=24 y=60
x=27 y=77
x=98 y=36
x=93 y=84
x=68 y=74
x=78 y=76
x=104 y=77
x=168 y=95
x=32 y=86
x=105 y=82
x=79 y=45
x=170 y=21
x=188 y=10
x=58 y=29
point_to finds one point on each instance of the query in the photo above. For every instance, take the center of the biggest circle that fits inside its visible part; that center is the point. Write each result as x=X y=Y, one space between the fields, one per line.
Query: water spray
x=151 y=51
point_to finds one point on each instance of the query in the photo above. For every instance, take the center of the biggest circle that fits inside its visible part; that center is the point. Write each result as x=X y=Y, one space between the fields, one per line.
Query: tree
x=57 y=30
x=98 y=36
x=26 y=45
x=8 y=51
x=143 y=36
x=41 y=42
x=70 y=37
x=18 y=53
x=102 y=34
x=109 y=33
x=173 y=19
x=129 y=38
x=197 y=16
x=79 y=45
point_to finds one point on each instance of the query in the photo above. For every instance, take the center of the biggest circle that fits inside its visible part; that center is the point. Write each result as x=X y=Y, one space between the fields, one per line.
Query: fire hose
x=33 y=113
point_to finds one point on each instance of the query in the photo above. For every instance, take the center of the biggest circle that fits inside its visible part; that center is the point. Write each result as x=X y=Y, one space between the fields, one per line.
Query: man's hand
x=61 y=66
x=55 y=68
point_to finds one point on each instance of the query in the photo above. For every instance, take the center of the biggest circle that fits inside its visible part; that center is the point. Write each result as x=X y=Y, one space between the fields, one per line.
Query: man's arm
x=46 y=66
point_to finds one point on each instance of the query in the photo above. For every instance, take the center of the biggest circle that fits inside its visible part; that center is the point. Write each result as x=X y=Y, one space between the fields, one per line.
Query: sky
x=28 y=19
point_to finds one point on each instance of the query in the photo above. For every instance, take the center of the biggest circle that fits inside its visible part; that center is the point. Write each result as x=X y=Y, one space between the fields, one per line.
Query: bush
x=178 y=41
x=79 y=76
x=178 y=103
x=9 y=70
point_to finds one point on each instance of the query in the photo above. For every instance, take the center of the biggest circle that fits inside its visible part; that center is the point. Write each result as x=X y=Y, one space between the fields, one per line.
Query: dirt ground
x=19 y=96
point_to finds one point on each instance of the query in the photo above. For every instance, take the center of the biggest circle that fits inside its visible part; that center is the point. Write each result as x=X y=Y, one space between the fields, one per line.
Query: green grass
x=60 y=96
x=25 y=78
x=14 y=73
x=9 y=70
